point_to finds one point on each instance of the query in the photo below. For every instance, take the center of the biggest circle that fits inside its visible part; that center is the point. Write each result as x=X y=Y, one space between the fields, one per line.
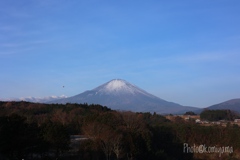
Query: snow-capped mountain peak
x=122 y=95
x=118 y=86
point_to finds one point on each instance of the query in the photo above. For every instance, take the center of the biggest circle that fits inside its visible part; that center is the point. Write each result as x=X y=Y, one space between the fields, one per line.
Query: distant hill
x=119 y=94
x=233 y=104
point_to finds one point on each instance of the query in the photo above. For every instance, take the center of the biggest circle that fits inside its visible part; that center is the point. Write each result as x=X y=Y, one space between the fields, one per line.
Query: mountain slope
x=121 y=95
x=233 y=104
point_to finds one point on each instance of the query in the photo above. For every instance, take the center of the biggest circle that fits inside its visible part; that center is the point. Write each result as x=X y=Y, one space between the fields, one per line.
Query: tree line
x=216 y=115
x=42 y=131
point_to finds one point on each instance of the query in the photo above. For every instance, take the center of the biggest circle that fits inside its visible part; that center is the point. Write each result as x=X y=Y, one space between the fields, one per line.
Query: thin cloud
x=200 y=57
x=14 y=13
x=15 y=47
x=7 y=28
x=16 y=51
x=24 y=43
x=194 y=58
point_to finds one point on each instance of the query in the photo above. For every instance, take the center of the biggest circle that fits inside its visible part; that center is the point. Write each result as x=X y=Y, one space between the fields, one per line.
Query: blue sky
x=185 y=51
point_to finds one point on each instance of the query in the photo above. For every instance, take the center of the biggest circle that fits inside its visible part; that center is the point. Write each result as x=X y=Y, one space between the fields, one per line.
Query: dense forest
x=44 y=131
x=216 y=115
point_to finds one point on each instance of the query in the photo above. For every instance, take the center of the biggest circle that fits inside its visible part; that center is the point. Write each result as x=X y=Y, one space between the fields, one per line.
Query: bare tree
x=101 y=134
x=60 y=116
x=117 y=144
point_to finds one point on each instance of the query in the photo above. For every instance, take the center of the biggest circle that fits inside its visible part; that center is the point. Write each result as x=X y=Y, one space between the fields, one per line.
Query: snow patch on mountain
x=116 y=85
x=119 y=86
x=35 y=99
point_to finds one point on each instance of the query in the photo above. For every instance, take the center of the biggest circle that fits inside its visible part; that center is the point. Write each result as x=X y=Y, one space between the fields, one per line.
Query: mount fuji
x=119 y=94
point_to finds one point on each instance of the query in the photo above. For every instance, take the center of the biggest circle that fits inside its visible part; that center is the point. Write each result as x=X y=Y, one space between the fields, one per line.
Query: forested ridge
x=216 y=115
x=43 y=131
